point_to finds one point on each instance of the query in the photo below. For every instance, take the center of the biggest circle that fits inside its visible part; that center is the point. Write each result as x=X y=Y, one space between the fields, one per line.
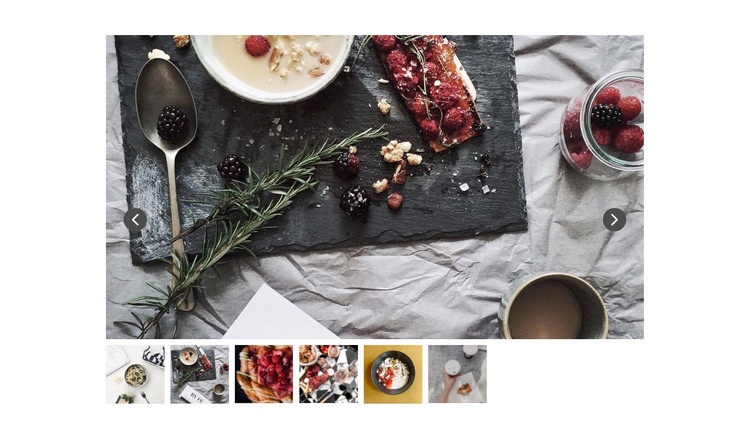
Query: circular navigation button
x=614 y=219
x=135 y=219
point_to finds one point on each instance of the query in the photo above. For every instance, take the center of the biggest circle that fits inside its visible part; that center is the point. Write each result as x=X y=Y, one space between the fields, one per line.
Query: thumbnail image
x=135 y=374
x=328 y=374
x=458 y=374
x=264 y=374
x=394 y=374
x=200 y=374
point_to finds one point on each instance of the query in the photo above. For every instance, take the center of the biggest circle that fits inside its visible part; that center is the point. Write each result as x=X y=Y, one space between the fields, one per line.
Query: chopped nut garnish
x=353 y=149
x=405 y=146
x=395 y=200
x=284 y=73
x=414 y=159
x=399 y=175
x=380 y=186
x=181 y=40
x=313 y=48
x=391 y=152
x=275 y=60
x=325 y=59
x=316 y=71
x=384 y=107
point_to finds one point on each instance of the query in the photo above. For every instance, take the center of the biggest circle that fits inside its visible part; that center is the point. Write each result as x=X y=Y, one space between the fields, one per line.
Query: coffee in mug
x=554 y=306
x=219 y=390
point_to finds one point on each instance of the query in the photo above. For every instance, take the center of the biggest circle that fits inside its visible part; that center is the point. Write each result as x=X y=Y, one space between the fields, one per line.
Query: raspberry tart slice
x=434 y=86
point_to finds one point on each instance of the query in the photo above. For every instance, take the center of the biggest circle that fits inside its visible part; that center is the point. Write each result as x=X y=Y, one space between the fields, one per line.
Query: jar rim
x=585 y=120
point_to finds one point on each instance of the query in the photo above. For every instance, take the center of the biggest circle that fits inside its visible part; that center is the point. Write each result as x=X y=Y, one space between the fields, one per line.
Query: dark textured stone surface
x=434 y=206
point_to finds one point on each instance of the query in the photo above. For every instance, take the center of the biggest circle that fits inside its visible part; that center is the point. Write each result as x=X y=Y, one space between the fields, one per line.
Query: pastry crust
x=465 y=389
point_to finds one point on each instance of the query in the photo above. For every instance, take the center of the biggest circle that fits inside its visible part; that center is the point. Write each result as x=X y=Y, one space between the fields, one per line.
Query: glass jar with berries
x=601 y=132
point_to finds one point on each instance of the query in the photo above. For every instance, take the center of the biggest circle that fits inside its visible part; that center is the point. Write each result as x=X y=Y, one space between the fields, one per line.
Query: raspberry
x=431 y=71
x=444 y=96
x=355 y=201
x=606 y=116
x=257 y=45
x=629 y=139
x=346 y=165
x=430 y=129
x=583 y=159
x=232 y=168
x=603 y=136
x=418 y=107
x=630 y=107
x=384 y=43
x=406 y=83
x=572 y=124
x=396 y=60
x=609 y=95
x=575 y=145
x=420 y=43
x=172 y=123
x=454 y=119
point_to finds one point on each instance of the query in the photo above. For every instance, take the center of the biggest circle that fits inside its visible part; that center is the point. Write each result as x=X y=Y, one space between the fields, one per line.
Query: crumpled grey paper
x=444 y=289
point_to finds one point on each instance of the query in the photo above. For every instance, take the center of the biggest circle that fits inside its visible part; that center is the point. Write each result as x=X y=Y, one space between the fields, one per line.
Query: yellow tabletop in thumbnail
x=411 y=396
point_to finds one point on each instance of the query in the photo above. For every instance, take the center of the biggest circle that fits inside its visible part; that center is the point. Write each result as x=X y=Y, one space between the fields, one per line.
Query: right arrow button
x=614 y=219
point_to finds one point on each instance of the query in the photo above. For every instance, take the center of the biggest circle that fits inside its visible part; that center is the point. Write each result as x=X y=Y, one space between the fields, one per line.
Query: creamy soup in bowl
x=273 y=69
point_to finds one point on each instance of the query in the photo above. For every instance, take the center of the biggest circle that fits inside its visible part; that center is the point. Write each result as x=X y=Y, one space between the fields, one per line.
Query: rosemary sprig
x=185 y=378
x=366 y=39
x=245 y=198
x=261 y=200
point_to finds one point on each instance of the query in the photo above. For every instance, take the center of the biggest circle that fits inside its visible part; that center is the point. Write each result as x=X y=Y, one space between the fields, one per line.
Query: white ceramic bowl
x=204 y=50
x=188 y=356
x=315 y=351
x=135 y=375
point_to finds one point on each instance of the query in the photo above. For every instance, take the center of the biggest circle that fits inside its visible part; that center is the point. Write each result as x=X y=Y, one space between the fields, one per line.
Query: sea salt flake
x=485 y=189
x=464 y=187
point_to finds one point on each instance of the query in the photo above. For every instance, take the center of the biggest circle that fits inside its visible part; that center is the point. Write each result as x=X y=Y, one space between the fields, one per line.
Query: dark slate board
x=434 y=206
x=179 y=370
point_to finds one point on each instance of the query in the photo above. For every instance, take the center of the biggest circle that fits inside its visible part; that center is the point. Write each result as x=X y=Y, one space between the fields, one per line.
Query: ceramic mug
x=553 y=306
x=219 y=390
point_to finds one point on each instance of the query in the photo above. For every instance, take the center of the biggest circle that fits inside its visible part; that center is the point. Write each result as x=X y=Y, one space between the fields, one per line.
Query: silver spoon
x=159 y=84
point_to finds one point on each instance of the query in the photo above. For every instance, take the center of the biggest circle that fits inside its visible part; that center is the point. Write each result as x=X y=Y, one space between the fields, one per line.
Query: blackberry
x=173 y=123
x=232 y=168
x=606 y=116
x=346 y=165
x=355 y=201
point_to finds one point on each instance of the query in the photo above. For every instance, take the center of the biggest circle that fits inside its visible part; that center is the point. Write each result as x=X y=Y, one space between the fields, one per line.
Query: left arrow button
x=135 y=219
